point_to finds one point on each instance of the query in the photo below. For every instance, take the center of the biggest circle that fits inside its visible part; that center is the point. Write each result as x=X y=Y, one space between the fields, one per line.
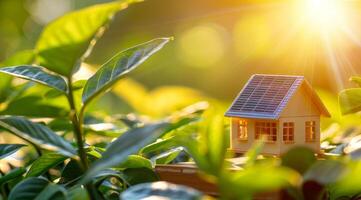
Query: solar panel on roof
x=263 y=95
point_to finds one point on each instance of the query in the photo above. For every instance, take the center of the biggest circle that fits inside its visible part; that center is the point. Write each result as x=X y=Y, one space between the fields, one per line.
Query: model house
x=283 y=110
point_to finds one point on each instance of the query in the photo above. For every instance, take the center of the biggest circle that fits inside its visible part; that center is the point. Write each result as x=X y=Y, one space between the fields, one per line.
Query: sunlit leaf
x=168 y=156
x=36 y=74
x=356 y=79
x=44 y=163
x=37 y=134
x=257 y=179
x=135 y=161
x=349 y=184
x=8 y=149
x=36 y=188
x=15 y=173
x=120 y=64
x=350 y=100
x=65 y=42
x=127 y=144
x=20 y=58
x=161 y=190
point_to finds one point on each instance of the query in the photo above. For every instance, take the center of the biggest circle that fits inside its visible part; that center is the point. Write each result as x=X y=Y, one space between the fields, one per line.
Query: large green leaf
x=15 y=173
x=8 y=149
x=350 y=100
x=65 y=42
x=161 y=190
x=34 y=106
x=127 y=144
x=44 y=163
x=36 y=188
x=36 y=74
x=120 y=64
x=37 y=134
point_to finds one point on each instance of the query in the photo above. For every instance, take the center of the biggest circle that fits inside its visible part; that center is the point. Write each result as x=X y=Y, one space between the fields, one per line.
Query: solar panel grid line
x=261 y=107
x=259 y=81
x=240 y=103
x=287 y=97
x=264 y=96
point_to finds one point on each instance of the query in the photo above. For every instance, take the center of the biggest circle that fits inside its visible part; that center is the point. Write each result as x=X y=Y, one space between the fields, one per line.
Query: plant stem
x=77 y=126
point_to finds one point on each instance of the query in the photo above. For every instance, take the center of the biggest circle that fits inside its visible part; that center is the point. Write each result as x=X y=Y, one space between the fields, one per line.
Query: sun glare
x=324 y=14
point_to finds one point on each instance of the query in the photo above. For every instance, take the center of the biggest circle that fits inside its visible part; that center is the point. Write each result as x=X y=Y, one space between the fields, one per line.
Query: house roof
x=266 y=96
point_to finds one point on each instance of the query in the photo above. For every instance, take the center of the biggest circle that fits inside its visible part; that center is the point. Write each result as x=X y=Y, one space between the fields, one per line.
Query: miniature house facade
x=282 y=110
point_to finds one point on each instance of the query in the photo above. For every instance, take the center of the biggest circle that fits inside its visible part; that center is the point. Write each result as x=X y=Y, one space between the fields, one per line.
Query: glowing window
x=288 y=132
x=310 y=128
x=266 y=129
x=242 y=130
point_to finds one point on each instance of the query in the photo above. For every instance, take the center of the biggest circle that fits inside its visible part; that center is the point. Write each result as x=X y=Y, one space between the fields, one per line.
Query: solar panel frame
x=264 y=96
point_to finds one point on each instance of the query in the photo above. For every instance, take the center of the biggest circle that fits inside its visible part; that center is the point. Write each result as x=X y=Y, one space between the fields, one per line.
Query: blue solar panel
x=264 y=96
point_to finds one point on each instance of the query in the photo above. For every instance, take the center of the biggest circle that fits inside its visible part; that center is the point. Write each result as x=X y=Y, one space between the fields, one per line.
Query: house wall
x=241 y=146
x=299 y=110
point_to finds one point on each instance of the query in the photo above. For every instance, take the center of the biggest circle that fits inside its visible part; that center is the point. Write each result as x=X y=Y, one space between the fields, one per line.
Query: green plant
x=105 y=170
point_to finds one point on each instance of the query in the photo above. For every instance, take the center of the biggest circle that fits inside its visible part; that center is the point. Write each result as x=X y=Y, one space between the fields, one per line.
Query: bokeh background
x=217 y=44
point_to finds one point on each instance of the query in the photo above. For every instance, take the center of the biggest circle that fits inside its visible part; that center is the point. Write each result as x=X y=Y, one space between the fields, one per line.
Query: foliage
x=78 y=152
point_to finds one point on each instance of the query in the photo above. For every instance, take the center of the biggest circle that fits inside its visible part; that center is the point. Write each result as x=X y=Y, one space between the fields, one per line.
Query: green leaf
x=135 y=161
x=36 y=188
x=44 y=163
x=161 y=190
x=65 y=42
x=20 y=58
x=168 y=156
x=70 y=172
x=253 y=153
x=127 y=144
x=78 y=193
x=135 y=176
x=162 y=144
x=12 y=175
x=8 y=149
x=36 y=74
x=33 y=106
x=299 y=158
x=350 y=100
x=52 y=192
x=257 y=179
x=120 y=64
x=325 y=171
x=37 y=134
